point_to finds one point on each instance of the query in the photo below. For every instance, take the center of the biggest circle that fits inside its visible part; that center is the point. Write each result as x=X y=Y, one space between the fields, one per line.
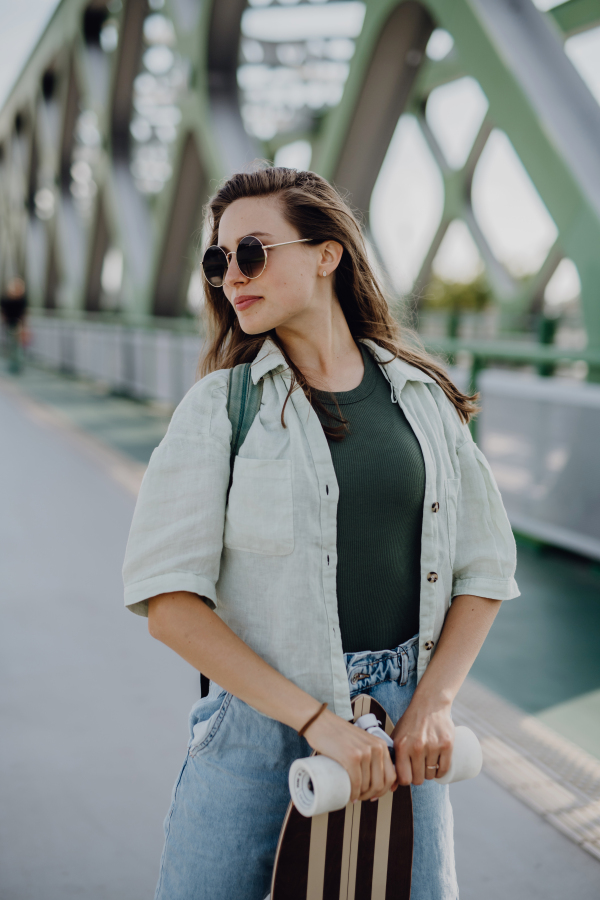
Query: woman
x=359 y=510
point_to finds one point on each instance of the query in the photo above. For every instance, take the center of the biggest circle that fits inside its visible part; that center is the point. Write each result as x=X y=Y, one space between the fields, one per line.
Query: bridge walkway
x=95 y=712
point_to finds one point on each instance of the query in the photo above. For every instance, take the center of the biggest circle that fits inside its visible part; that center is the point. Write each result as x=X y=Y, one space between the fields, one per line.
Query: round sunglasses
x=251 y=258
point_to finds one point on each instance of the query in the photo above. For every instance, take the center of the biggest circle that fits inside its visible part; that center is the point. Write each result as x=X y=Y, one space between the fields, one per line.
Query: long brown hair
x=317 y=211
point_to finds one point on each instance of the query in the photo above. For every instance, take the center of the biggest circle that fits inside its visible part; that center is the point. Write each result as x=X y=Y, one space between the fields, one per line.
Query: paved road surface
x=94 y=711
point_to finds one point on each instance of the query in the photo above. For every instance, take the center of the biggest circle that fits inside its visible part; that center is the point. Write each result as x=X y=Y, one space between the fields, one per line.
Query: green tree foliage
x=455 y=297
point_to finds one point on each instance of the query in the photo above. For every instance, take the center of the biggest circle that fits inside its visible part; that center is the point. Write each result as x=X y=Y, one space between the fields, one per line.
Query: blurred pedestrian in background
x=13 y=307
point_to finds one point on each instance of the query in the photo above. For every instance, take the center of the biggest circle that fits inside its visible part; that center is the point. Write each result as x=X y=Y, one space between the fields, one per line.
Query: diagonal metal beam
x=128 y=61
x=575 y=16
x=71 y=111
x=562 y=103
x=223 y=43
x=386 y=86
x=175 y=262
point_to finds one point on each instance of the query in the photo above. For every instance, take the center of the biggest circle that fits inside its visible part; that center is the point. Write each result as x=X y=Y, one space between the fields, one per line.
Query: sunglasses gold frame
x=233 y=253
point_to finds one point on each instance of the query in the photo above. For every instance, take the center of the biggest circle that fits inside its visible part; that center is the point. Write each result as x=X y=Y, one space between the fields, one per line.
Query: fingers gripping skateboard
x=362 y=852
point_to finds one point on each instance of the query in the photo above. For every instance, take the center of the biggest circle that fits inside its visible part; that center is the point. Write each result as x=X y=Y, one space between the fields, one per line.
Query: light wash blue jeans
x=232 y=793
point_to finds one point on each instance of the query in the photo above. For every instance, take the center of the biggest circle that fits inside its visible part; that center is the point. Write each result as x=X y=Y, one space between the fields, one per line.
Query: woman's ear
x=330 y=256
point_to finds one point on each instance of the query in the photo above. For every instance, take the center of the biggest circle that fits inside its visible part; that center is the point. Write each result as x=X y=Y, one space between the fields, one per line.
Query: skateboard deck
x=362 y=852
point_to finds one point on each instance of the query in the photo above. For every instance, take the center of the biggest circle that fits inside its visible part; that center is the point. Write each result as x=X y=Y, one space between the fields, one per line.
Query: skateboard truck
x=371 y=723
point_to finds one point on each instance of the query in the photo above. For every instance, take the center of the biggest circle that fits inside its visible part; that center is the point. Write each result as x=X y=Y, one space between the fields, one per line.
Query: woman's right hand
x=183 y=622
x=365 y=757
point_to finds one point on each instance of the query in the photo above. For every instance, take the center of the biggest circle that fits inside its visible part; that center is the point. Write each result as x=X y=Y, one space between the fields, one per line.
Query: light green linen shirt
x=266 y=562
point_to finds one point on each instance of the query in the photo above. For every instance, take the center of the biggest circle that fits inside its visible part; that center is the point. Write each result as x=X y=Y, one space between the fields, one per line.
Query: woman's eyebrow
x=257 y=234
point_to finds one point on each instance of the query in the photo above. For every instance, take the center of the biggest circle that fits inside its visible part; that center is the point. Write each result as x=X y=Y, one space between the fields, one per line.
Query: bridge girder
x=512 y=50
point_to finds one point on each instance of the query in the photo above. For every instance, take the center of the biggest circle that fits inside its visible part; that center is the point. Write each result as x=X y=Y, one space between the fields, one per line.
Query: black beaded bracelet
x=312 y=719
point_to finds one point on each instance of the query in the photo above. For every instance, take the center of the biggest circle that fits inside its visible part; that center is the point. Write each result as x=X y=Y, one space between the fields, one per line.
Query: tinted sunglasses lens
x=250 y=257
x=214 y=264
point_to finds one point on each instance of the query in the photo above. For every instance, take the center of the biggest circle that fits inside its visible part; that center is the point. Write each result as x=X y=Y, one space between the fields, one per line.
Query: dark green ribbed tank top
x=381 y=476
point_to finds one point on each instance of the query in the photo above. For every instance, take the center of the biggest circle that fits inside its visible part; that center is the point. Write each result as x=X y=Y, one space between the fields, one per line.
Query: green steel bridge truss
x=82 y=202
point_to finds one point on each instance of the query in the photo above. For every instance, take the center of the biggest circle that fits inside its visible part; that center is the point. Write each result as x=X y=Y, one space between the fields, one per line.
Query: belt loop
x=404 y=667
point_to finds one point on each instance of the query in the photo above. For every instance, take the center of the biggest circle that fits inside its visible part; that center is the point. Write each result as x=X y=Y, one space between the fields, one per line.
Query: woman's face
x=292 y=286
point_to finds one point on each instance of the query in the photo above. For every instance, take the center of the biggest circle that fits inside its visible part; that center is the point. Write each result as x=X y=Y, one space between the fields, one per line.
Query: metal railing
x=483 y=353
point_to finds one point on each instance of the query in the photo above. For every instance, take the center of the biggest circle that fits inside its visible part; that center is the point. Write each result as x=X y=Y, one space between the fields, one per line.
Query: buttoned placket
x=326 y=477
x=429 y=532
x=329 y=494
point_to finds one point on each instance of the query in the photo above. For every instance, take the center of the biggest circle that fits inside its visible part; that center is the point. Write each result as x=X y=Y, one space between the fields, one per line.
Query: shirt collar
x=396 y=370
x=269 y=358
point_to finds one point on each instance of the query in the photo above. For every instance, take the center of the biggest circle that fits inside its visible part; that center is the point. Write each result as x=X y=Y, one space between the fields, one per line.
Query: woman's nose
x=234 y=275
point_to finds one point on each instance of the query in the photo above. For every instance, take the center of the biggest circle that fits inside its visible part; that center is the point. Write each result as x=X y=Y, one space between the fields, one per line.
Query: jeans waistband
x=367 y=668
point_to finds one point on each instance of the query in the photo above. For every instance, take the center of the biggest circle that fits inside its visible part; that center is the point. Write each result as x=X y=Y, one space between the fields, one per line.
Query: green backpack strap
x=243 y=403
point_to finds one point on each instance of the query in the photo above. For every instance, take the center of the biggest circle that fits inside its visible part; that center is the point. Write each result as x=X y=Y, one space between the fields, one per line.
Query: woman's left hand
x=423 y=741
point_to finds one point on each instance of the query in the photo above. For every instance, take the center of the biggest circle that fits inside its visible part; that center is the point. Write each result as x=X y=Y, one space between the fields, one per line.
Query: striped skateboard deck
x=362 y=852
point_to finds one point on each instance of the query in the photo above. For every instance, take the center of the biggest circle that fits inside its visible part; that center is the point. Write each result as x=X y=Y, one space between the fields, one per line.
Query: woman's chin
x=255 y=324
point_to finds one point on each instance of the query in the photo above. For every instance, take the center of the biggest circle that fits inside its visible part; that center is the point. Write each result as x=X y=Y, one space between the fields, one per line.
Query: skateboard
x=362 y=852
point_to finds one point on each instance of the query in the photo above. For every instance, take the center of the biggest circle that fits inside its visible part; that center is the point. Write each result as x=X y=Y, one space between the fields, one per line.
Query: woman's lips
x=245 y=301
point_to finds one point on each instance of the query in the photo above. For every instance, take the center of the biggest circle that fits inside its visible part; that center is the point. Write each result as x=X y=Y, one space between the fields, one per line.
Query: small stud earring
x=324 y=274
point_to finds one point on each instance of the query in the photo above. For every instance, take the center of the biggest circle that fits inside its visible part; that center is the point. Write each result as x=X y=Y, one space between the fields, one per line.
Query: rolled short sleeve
x=176 y=535
x=485 y=557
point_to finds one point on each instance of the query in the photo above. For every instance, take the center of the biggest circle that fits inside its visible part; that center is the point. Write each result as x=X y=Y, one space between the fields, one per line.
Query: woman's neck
x=324 y=351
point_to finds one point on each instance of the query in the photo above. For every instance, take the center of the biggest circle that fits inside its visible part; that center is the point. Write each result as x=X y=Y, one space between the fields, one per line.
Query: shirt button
x=429 y=645
x=432 y=577
x=435 y=506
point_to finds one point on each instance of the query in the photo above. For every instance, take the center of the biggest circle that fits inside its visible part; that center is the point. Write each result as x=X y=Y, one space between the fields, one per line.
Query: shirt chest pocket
x=260 y=510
